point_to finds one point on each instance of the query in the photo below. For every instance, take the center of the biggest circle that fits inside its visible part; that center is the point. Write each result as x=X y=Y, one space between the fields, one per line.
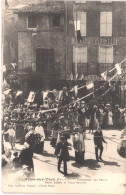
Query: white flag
x=19 y=93
x=118 y=68
x=81 y=77
x=45 y=93
x=90 y=85
x=76 y=76
x=71 y=76
x=60 y=95
x=104 y=75
x=7 y=92
x=31 y=96
x=14 y=65
x=76 y=90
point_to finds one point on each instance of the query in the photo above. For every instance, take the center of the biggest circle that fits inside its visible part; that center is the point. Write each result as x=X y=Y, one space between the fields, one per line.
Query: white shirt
x=40 y=130
x=11 y=132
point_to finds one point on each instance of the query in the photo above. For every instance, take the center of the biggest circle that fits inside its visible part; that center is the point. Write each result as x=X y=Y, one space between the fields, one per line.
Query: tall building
x=56 y=39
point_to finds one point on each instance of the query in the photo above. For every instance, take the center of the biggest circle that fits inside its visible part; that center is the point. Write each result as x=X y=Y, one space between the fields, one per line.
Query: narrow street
x=92 y=176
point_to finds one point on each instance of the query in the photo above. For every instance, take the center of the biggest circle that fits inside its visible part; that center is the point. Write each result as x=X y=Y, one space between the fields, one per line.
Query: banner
x=45 y=94
x=31 y=96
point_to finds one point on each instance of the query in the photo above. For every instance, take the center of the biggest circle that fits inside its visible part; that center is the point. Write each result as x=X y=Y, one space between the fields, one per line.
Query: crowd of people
x=59 y=119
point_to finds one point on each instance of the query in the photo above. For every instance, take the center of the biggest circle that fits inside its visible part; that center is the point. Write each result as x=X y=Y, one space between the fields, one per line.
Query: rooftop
x=40 y=8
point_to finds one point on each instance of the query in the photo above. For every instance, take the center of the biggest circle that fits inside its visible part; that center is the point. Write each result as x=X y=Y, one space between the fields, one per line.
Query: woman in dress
x=110 y=118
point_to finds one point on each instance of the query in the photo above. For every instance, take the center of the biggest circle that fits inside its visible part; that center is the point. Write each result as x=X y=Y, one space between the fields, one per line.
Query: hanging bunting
x=31 y=96
x=104 y=75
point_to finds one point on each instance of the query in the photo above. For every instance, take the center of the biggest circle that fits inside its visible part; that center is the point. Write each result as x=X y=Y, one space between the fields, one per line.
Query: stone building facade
x=63 y=37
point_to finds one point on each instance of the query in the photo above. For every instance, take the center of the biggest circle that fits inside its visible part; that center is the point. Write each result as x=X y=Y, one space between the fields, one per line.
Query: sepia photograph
x=63 y=96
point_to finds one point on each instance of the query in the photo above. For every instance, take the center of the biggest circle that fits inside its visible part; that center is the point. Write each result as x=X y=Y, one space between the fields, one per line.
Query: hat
x=83 y=102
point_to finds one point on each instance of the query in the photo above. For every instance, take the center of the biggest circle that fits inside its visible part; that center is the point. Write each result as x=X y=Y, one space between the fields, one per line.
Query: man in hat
x=62 y=153
x=98 y=139
x=12 y=134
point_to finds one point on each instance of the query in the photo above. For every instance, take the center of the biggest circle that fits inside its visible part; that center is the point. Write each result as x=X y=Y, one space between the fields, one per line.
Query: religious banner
x=31 y=96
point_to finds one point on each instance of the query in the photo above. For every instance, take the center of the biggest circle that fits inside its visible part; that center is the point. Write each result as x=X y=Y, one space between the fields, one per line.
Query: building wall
x=46 y=37
x=93 y=39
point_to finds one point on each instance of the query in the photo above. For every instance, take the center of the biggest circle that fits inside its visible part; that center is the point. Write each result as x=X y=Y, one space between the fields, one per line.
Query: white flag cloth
x=60 y=94
x=45 y=93
x=7 y=92
x=71 y=76
x=77 y=25
x=4 y=68
x=31 y=96
x=118 y=68
x=14 y=65
x=104 y=75
x=90 y=85
x=76 y=76
x=81 y=77
x=76 y=90
x=19 y=93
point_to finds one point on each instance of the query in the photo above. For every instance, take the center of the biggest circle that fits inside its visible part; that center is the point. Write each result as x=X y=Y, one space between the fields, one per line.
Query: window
x=32 y=22
x=80 y=1
x=56 y=20
x=80 y=22
x=106 y=24
x=80 y=54
x=105 y=54
x=106 y=1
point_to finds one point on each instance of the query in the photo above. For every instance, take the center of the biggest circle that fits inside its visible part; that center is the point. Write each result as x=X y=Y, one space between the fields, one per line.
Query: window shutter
x=109 y=55
x=101 y=55
x=83 y=23
x=109 y=24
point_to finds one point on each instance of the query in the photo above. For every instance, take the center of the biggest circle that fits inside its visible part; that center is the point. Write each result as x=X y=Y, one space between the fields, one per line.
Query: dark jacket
x=98 y=138
x=62 y=150
x=26 y=156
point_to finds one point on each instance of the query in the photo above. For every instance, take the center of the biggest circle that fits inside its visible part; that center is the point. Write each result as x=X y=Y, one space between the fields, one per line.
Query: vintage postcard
x=63 y=96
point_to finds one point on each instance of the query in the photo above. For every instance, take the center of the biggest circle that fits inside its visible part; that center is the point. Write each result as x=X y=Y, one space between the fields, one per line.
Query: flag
x=81 y=77
x=76 y=90
x=14 y=65
x=7 y=92
x=71 y=76
x=45 y=94
x=90 y=85
x=6 y=4
x=60 y=94
x=118 y=68
x=31 y=96
x=76 y=76
x=19 y=93
x=104 y=75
